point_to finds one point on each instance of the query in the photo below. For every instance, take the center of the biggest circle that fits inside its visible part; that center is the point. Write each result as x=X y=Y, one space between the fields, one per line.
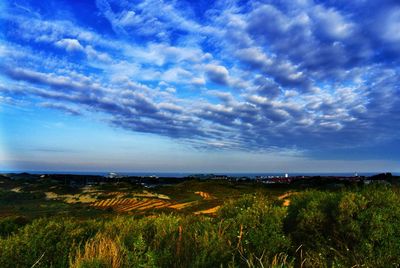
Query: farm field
x=34 y=199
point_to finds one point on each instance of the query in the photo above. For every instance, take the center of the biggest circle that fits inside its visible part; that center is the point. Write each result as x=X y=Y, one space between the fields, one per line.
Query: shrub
x=254 y=228
x=347 y=228
x=319 y=229
x=169 y=241
x=11 y=225
x=49 y=241
x=134 y=239
x=9 y=197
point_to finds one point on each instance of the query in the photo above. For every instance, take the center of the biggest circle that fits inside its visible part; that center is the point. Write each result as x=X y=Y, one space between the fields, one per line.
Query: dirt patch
x=205 y=195
x=208 y=211
x=286 y=198
x=16 y=190
x=180 y=206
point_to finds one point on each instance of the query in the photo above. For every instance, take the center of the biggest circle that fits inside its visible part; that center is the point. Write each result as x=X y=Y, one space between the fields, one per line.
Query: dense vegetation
x=358 y=227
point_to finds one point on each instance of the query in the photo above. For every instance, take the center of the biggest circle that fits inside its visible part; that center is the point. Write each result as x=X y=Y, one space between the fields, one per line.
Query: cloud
x=69 y=45
x=198 y=81
x=267 y=88
x=61 y=107
x=149 y=18
x=52 y=80
x=293 y=75
x=217 y=74
x=392 y=23
x=254 y=57
x=331 y=23
x=94 y=54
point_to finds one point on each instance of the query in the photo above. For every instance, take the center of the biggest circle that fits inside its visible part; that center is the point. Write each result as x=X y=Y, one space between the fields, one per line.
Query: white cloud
x=94 y=54
x=390 y=28
x=198 y=81
x=332 y=23
x=176 y=75
x=70 y=45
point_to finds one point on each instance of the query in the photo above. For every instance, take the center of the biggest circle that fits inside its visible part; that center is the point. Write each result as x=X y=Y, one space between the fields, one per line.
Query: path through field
x=285 y=198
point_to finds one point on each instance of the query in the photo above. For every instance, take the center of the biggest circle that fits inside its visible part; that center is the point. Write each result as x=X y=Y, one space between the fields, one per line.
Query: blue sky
x=200 y=86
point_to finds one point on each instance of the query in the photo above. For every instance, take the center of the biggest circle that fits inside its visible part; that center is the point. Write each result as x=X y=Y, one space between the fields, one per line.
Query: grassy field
x=198 y=223
x=49 y=198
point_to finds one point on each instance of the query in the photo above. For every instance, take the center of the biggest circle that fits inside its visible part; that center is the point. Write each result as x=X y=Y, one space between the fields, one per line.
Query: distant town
x=151 y=181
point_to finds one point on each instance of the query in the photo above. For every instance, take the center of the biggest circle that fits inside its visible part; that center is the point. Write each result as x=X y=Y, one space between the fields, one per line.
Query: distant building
x=112 y=175
x=286 y=175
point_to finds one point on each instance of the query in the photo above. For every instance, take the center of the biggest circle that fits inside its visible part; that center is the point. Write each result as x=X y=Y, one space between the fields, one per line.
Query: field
x=48 y=198
x=197 y=223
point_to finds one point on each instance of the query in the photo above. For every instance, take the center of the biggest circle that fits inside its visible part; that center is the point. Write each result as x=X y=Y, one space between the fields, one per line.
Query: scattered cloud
x=300 y=76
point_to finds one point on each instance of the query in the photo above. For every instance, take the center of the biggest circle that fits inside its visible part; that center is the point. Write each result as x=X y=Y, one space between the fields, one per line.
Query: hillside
x=197 y=223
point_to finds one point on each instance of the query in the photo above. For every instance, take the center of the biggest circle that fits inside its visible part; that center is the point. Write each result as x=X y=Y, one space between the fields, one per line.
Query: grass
x=99 y=251
x=199 y=224
x=51 y=198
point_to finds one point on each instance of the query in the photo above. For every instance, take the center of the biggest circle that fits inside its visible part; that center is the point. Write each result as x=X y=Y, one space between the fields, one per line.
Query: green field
x=197 y=223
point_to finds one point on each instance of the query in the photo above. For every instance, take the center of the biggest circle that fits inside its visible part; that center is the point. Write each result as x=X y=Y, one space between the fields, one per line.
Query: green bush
x=134 y=237
x=169 y=241
x=254 y=226
x=10 y=225
x=347 y=228
x=200 y=242
x=9 y=197
x=332 y=229
x=49 y=241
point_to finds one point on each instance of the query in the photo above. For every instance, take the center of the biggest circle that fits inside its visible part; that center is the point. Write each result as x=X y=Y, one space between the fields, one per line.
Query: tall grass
x=99 y=251
x=319 y=229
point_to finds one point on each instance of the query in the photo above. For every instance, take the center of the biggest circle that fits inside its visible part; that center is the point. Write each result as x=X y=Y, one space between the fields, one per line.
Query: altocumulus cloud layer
x=299 y=76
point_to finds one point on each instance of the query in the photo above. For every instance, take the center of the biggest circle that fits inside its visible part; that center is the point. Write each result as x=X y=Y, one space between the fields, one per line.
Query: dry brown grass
x=205 y=195
x=100 y=249
x=90 y=195
x=208 y=211
x=144 y=194
x=71 y=198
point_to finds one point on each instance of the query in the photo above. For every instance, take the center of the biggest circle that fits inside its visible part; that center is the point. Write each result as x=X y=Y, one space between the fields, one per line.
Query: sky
x=200 y=86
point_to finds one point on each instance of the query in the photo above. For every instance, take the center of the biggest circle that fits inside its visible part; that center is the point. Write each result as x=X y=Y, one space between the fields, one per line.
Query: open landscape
x=48 y=221
x=199 y=134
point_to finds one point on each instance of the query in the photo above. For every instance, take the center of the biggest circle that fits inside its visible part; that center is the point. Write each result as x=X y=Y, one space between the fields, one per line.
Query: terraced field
x=142 y=204
x=119 y=202
x=144 y=194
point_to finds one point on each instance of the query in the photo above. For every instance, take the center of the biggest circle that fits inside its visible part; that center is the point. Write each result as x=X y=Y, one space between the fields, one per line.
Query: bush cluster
x=319 y=229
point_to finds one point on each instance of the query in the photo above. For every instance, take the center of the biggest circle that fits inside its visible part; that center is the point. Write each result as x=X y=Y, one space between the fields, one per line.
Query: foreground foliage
x=319 y=229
